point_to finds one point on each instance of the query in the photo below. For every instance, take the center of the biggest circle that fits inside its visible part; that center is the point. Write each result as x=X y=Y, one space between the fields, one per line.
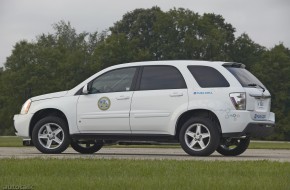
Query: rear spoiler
x=236 y=65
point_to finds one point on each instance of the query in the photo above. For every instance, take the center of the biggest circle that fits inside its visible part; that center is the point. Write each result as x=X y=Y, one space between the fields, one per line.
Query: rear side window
x=208 y=77
x=161 y=77
x=244 y=76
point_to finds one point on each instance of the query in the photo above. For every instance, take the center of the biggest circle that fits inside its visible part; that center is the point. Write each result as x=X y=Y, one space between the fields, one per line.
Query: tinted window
x=114 y=81
x=161 y=77
x=244 y=76
x=208 y=77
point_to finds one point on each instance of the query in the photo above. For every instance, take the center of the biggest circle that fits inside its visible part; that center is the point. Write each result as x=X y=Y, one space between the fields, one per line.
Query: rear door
x=161 y=92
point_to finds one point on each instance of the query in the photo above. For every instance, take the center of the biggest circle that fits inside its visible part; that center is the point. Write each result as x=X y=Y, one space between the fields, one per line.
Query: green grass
x=10 y=141
x=270 y=145
x=17 y=142
x=143 y=174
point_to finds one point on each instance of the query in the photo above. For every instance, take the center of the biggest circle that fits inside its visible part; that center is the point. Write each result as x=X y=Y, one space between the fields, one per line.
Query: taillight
x=239 y=100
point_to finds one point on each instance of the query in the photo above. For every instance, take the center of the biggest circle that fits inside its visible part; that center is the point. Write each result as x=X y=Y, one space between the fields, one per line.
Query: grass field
x=143 y=174
x=17 y=142
x=10 y=141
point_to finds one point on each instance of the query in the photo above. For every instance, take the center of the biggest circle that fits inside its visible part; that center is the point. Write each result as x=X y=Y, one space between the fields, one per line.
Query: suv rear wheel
x=233 y=146
x=50 y=135
x=199 y=136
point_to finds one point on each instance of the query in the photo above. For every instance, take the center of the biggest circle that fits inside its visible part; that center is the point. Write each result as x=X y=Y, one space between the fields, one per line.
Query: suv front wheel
x=199 y=136
x=50 y=135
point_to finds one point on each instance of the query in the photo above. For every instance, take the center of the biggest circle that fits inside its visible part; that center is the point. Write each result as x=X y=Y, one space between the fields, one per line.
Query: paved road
x=145 y=154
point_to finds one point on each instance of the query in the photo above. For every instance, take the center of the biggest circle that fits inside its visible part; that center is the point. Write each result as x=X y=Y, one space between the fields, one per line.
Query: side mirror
x=86 y=89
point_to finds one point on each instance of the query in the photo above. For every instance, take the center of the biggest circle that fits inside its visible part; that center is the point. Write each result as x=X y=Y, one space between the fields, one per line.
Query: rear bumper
x=254 y=130
x=259 y=130
x=236 y=123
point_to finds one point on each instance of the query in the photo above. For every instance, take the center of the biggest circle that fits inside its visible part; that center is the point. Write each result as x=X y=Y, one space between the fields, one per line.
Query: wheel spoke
x=201 y=144
x=192 y=143
x=198 y=129
x=57 y=131
x=48 y=128
x=43 y=136
x=48 y=143
x=189 y=133
x=205 y=135
x=57 y=140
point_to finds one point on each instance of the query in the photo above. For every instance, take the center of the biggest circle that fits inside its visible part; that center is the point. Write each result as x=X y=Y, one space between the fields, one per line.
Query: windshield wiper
x=257 y=85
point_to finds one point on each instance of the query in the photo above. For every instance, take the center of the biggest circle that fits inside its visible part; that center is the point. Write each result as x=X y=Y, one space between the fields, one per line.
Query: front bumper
x=21 y=125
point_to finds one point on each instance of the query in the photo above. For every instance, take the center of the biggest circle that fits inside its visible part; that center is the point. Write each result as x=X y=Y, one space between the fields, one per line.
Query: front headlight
x=239 y=100
x=25 y=107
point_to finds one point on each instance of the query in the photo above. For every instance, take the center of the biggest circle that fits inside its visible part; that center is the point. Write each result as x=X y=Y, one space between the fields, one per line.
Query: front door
x=106 y=108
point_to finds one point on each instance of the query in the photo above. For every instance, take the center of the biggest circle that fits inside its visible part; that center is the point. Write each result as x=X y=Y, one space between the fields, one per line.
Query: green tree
x=176 y=34
x=246 y=51
x=217 y=37
x=274 y=71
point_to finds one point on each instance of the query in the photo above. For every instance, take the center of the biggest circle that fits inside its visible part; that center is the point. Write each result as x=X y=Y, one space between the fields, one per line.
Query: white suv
x=205 y=106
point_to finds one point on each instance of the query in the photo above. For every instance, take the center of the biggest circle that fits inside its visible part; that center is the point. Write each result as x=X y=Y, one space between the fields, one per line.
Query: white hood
x=49 y=96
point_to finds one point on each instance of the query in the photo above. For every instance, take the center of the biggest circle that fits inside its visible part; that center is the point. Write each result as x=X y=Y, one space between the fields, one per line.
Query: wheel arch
x=44 y=113
x=196 y=112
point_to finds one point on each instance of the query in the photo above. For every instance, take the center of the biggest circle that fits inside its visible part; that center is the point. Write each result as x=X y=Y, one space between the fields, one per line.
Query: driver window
x=118 y=80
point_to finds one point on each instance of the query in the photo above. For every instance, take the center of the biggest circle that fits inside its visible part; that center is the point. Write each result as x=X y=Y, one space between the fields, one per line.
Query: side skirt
x=125 y=137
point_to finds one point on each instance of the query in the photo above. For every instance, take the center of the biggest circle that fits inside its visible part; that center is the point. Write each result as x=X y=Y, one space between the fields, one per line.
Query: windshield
x=244 y=77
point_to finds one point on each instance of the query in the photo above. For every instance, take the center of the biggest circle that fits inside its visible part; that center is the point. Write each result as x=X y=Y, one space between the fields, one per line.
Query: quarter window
x=161 y=77
x=114 y=81
x=244 y=76
x=208 y=77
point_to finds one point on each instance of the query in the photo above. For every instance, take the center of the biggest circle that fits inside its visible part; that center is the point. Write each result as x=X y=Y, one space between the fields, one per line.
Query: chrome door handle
x=176 y=94
x=122 y=97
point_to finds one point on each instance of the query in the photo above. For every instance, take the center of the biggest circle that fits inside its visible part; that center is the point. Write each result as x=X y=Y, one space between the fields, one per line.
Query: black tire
x=233 y=146
x=89 y=148
x=50 y=135
x=196 y=143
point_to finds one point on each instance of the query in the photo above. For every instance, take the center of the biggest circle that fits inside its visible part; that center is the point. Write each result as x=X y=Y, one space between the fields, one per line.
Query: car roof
x=169 y=62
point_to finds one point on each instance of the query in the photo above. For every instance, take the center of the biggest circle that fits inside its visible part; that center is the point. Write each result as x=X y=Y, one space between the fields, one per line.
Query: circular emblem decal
x=104 y=103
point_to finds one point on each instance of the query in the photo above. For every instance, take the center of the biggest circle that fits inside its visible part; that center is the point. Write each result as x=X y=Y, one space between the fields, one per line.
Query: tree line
x=62 y=59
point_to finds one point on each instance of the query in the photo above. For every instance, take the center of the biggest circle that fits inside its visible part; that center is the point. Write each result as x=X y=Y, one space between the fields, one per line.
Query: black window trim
x=138 y=83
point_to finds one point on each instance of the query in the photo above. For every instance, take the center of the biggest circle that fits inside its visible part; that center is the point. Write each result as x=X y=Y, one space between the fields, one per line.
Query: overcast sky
x=267 y=22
